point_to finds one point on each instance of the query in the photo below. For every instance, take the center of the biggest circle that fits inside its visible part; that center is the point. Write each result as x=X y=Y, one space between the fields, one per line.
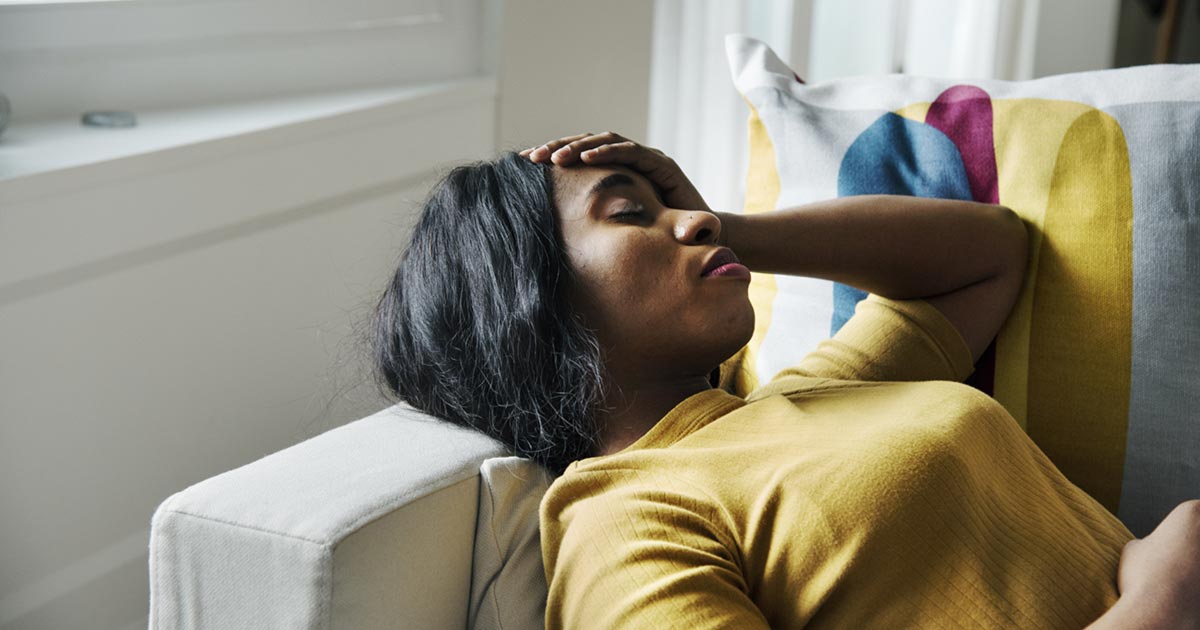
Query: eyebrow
x=616 y=180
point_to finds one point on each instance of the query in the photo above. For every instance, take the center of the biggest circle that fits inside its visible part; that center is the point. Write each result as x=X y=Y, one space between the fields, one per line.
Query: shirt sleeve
x=642 y=556
x=890 y=340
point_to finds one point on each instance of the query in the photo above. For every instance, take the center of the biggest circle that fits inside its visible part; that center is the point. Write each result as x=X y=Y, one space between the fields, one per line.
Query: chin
x=736 y=330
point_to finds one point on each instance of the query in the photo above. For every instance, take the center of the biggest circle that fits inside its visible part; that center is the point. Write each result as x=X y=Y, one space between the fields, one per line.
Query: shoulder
x=615 y=494
x=619 y=480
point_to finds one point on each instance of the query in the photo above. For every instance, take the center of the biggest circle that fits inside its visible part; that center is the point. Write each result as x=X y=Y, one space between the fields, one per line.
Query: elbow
x=1013 y=242
x=1012 y=254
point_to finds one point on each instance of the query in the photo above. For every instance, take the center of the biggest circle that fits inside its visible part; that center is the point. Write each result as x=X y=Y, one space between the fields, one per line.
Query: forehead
x=574 y=186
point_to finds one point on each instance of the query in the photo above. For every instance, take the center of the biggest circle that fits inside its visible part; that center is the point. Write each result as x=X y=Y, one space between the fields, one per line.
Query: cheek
x=630 y=282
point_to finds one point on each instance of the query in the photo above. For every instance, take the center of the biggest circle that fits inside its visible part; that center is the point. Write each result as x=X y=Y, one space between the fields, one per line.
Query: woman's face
x=640 y=270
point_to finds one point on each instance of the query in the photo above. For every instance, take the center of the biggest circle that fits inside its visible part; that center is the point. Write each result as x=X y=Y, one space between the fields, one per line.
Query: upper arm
x=978 y=310
x=890 y=340
x=639 y=561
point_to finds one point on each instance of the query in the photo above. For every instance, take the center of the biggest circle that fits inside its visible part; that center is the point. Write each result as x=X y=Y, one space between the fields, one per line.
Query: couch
x=367 y=526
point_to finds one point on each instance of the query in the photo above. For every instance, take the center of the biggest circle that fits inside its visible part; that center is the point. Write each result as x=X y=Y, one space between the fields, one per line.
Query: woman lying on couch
x=576 y=300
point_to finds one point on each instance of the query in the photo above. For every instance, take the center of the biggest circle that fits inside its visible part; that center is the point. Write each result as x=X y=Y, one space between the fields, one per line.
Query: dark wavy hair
x=475 y=326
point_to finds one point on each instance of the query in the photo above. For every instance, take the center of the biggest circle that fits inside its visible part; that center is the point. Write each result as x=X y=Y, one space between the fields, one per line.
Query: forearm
x=899 y=247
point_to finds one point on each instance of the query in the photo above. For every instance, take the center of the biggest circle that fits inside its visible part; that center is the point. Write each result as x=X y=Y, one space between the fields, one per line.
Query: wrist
x=729 y=225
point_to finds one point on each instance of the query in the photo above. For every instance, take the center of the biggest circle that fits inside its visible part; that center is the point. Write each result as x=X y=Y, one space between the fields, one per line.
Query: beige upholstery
x=367 y=526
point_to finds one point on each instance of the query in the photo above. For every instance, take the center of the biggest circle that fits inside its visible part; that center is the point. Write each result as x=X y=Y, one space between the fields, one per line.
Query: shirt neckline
x=685 y=418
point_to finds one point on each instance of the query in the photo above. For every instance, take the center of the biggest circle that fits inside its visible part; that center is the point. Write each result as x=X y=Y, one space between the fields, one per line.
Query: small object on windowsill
x=109 y=119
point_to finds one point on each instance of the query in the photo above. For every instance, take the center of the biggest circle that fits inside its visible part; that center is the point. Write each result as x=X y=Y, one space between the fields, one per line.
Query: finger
x=575 y=148
x=544 y=151
x=656 y=166
x=615 y=152
x=638 y=157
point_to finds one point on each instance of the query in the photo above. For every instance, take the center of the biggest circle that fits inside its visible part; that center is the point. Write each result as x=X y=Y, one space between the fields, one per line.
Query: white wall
x=574 y=66
x=1075 y=35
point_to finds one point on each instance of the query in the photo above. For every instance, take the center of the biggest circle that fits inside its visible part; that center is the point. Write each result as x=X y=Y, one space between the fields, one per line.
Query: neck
x=634 y=409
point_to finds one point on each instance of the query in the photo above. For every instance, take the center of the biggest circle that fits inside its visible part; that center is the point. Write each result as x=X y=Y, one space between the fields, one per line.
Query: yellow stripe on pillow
x=1027 y=139
x=1078 y=409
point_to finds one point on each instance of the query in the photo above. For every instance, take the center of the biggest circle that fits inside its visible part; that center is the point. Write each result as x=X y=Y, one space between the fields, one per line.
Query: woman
x=575 y=302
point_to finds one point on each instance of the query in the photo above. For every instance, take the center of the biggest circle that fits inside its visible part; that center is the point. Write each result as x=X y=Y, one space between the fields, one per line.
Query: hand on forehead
x=669 y=184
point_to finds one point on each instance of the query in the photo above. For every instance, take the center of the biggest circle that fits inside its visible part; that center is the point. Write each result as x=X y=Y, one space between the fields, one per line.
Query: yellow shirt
x=854 y=490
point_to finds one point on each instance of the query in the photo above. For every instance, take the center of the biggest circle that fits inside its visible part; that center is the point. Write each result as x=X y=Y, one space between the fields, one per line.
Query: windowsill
x=51 y=155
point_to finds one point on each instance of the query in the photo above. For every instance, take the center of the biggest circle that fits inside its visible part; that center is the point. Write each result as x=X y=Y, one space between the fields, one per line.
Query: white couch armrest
x=370 y=525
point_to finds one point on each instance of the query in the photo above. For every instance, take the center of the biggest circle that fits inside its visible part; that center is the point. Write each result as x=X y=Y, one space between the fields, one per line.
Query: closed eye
x=632 y=211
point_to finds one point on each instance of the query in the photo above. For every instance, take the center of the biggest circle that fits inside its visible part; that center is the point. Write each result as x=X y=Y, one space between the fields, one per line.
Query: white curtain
x=698 y=118
x=980 y=39
x=696 y=115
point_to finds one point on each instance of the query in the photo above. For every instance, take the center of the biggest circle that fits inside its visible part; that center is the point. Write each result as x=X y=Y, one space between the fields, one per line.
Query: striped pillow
x=1100 y=360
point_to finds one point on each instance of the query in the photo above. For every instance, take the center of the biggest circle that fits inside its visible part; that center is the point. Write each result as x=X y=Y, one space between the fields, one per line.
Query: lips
x=722 y=262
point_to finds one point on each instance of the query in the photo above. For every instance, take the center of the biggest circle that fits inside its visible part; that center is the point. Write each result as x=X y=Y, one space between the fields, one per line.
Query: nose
x=696 y=227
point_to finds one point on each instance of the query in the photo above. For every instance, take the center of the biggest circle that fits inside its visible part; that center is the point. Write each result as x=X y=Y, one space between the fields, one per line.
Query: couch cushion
x=1100 y=358
x=508 y=586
